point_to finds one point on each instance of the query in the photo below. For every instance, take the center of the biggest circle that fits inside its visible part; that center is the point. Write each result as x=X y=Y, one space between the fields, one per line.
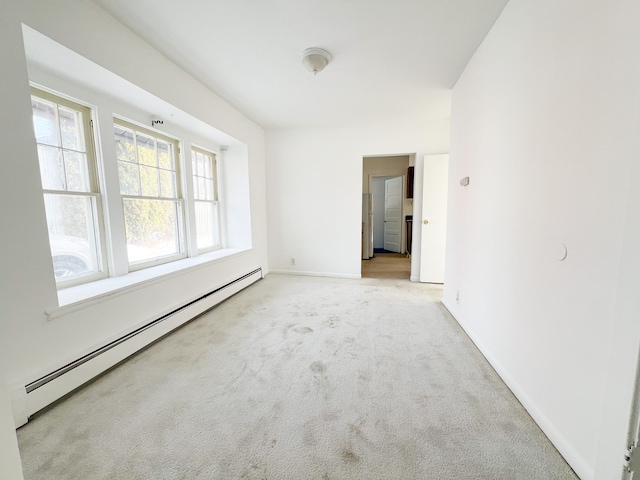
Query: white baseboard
x=26 y=404
x=317 y=274
x=573 y=458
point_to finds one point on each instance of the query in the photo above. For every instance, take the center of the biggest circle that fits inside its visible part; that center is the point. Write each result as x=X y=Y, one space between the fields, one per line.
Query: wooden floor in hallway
x=387 y=265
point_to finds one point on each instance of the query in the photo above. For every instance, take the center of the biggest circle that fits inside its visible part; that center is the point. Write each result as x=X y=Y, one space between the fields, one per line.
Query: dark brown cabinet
x=410 y=182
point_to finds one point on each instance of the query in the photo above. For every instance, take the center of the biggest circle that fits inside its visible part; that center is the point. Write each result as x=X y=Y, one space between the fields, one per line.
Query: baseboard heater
x=31 y=387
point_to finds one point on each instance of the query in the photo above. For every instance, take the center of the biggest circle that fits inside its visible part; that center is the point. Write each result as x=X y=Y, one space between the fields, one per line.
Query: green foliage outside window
x=146 y=169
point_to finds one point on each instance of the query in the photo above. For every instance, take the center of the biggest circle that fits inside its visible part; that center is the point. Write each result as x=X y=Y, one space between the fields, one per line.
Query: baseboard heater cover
x=89 y=356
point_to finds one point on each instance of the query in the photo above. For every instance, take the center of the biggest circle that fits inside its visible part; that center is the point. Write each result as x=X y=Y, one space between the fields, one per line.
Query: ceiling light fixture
x=315 y=59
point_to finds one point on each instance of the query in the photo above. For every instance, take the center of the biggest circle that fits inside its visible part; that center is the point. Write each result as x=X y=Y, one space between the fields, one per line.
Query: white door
x=434 y=218
x=392 y=214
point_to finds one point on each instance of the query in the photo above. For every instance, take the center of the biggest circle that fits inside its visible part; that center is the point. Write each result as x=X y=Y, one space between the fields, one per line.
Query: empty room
x=190 y=193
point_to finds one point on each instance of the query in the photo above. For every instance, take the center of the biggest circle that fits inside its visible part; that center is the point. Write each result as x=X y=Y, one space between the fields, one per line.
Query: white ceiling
x=393 y=60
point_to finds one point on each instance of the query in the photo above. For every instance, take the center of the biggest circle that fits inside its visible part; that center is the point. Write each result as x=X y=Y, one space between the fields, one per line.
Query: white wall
x=314 y=208
x=16 y=259
x=33 y=345
x=10 y=467
x=545 y=124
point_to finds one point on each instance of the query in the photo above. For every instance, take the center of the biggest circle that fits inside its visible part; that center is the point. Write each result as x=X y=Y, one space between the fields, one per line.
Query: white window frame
x=94 y=185
x=179 y=199
x=215 y=201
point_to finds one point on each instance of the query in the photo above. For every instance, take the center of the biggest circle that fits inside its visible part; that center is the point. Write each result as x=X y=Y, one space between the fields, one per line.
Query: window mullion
x=155 y=152
x=160 y=199
x=60 y=147
x=70 y=193
x=214 y=173
x=135 y=154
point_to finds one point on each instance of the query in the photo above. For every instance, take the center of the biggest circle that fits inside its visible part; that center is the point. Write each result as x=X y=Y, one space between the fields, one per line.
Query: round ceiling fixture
x=315 y=59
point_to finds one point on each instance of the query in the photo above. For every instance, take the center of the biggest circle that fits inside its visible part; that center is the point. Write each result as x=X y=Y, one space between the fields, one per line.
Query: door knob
x=426 y=221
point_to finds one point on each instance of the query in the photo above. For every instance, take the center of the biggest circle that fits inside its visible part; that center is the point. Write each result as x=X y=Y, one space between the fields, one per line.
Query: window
x=205 y=194
x=70 y=186
x=153 y=208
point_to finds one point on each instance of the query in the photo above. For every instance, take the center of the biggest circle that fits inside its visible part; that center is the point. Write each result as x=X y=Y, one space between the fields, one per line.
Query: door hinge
x=630 y=458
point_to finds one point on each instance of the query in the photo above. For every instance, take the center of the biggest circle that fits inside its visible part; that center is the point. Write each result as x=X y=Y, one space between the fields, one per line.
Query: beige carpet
x=299 y=378
x=387 y=265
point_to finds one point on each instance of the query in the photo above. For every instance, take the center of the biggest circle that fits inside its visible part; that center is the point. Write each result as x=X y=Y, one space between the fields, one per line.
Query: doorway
x=385 y=208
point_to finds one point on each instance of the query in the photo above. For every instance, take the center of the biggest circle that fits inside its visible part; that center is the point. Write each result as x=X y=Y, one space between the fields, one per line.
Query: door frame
x=416 y=201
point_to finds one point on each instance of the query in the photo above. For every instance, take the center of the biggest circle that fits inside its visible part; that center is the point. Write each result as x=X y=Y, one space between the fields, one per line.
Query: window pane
x=75 y=167
x=167 y=184
x=204 y=225
x=207 y=167
x=201 y=161
x=209 y=186
x=149 y=181
x=44 y=122
x=71 y=129
x=51 y=168
x=202 y=189
x=151 y=227
x=71 y=223
x=195 y=188
x=129 y=180
x=146 y=149
x=165 y=155
x=125 y=150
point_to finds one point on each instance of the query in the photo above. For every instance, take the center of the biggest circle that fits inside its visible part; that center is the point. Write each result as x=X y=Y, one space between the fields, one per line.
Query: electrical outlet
x=293 y=261
x=457 y=296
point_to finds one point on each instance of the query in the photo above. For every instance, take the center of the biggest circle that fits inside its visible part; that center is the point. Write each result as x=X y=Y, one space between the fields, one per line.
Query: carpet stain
x=302 y=329
x=349 y=457
x=318 y=367
x=330 y=417
x=333 y=321
x=255 y=471
x=309 y=437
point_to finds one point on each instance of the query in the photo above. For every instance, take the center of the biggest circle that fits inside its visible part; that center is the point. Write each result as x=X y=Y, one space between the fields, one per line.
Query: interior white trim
x=83 y=296
x=317 y=274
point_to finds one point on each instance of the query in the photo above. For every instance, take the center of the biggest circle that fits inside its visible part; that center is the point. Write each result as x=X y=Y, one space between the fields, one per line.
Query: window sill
x=79 y=297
